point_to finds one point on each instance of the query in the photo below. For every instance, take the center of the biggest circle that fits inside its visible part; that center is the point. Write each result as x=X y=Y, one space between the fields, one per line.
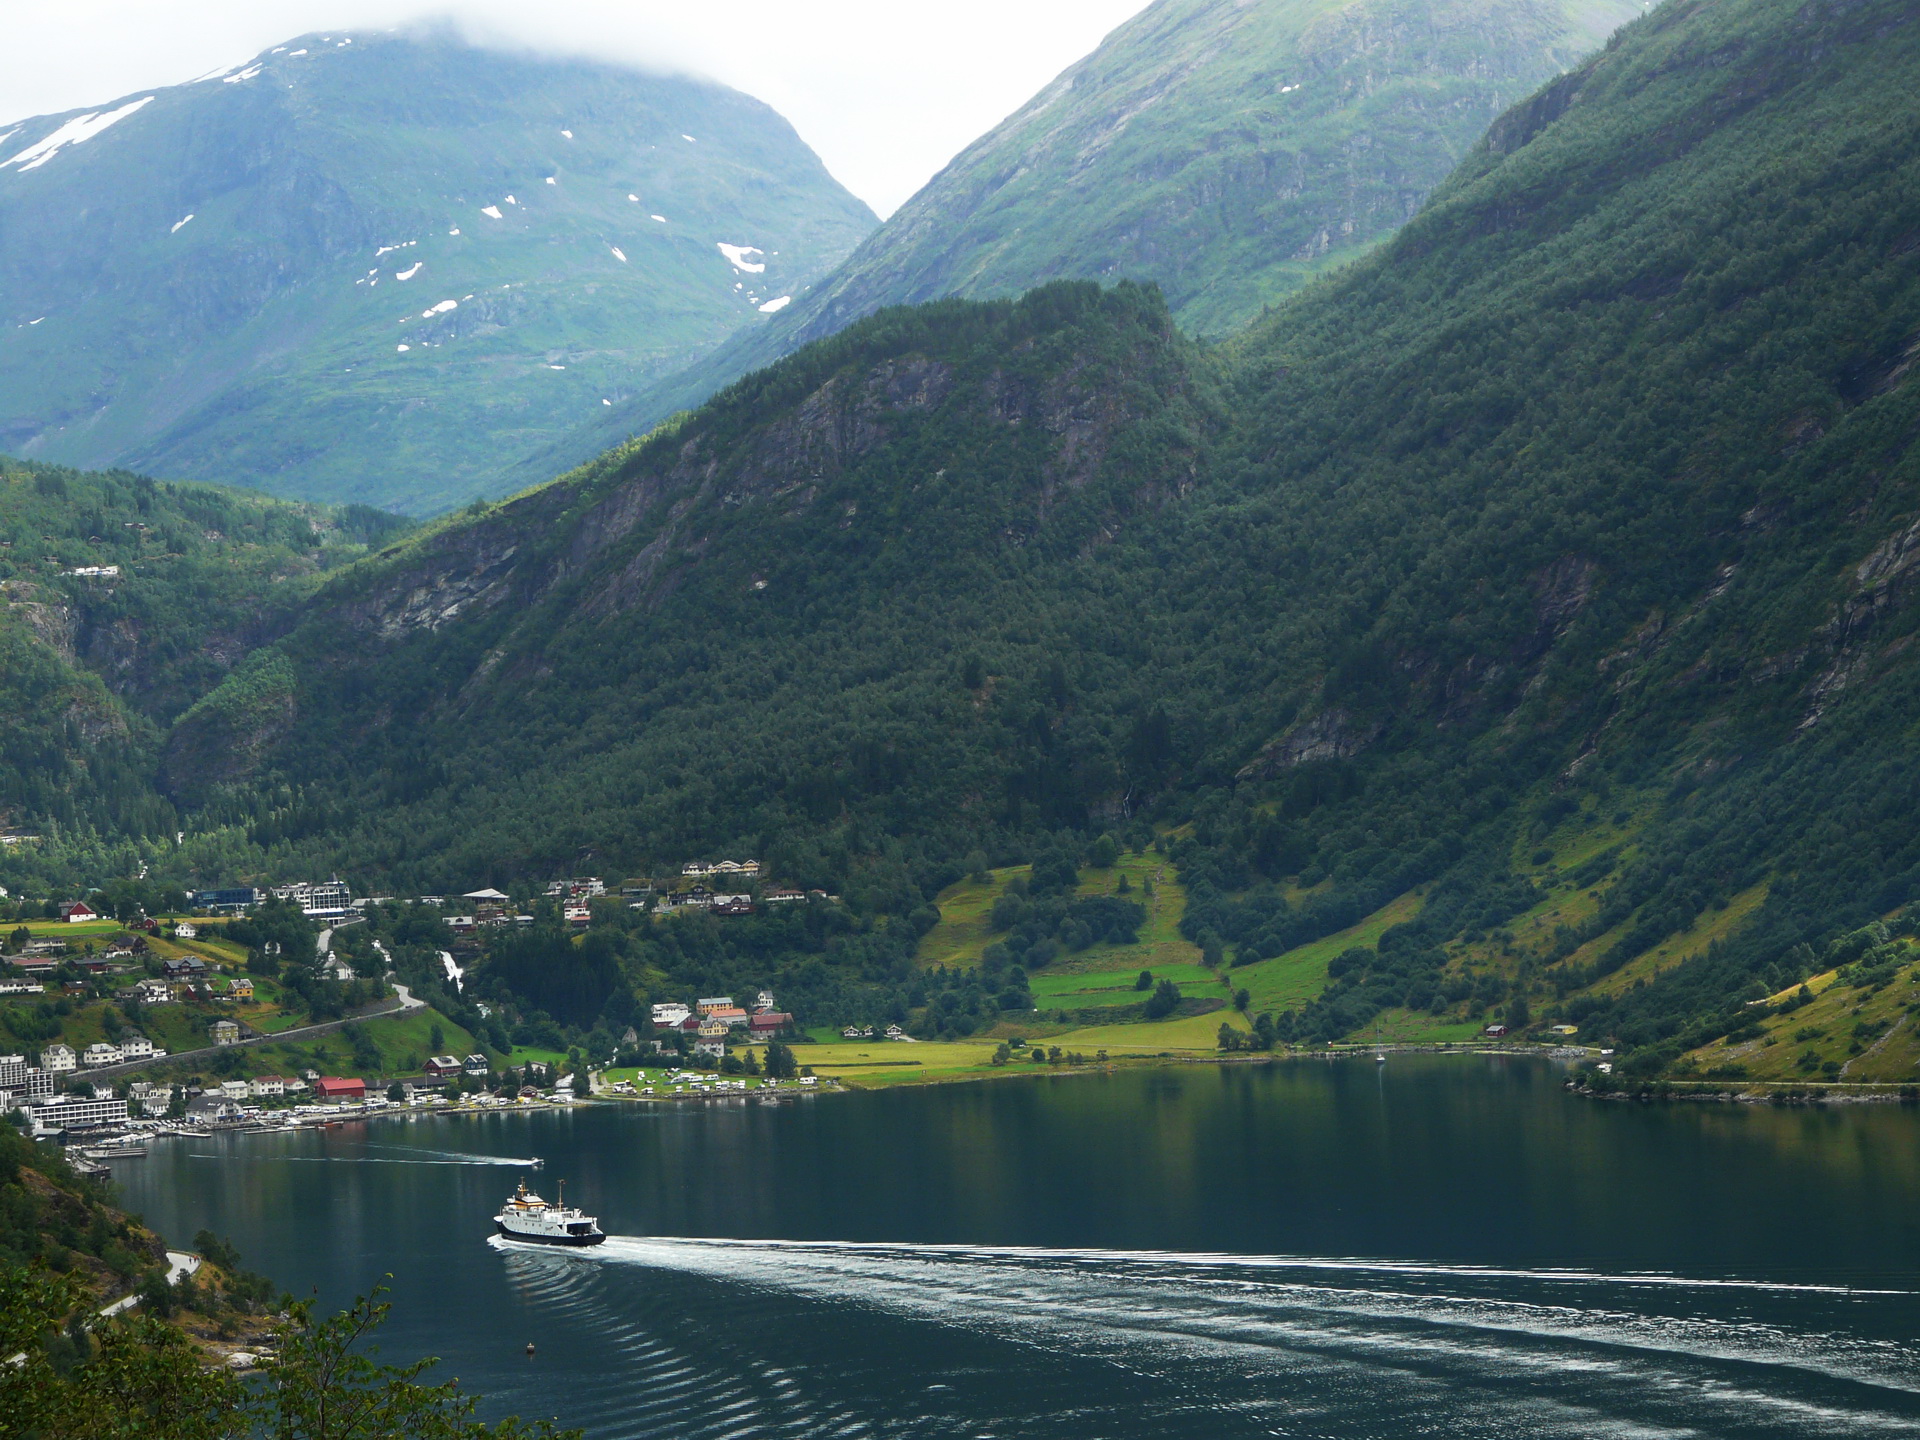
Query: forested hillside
x=1226 y=150
x=385 y=268
x=1537 y=590
x=123 y=601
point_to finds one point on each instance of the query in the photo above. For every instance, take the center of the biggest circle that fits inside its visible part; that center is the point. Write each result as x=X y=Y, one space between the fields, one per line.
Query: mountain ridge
x=214 y=268
x=1227 y=151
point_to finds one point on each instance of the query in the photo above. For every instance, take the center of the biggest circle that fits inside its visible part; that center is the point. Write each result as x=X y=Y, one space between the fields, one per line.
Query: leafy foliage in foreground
x=135 y=1377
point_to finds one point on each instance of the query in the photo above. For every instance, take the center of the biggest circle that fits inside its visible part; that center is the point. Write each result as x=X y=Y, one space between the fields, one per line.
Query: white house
x=101 y=1053
x=713 y=1038
x=184 y=931
x=236 y=1090
x=148 y=1099
x=135 y=1047
x=224 y=1032
x=269 y=1086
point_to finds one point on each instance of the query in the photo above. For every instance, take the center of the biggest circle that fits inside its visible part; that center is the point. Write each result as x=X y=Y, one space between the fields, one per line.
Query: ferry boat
x=527 y=1217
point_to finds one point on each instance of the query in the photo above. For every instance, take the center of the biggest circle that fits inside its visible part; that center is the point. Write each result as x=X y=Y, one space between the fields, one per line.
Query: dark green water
x=1437 y=1247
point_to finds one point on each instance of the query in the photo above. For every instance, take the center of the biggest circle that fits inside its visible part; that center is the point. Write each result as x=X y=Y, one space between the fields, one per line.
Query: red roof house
x=332 y=1087
x=77 y=912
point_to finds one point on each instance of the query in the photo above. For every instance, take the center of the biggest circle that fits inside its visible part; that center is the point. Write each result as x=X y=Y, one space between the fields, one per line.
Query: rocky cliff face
x=855 y=452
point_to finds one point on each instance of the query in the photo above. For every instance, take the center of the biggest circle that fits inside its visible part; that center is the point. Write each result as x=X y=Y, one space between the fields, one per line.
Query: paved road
x=404 y=1002
x=179 y=1263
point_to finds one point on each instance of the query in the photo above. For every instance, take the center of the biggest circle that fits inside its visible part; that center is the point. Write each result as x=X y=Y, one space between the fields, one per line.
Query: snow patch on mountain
x=76 y=131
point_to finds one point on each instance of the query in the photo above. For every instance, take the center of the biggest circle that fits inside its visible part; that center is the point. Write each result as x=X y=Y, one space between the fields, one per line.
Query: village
x=167 y=969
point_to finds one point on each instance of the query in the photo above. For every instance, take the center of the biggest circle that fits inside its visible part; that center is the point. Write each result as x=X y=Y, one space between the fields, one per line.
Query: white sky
x=887 y=91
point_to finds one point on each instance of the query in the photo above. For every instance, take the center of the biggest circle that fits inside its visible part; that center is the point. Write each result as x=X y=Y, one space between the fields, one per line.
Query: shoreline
x=1718 y=1092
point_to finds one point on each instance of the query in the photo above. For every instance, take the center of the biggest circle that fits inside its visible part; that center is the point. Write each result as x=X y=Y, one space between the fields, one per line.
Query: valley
x=1423 y=700
x=1125 y=802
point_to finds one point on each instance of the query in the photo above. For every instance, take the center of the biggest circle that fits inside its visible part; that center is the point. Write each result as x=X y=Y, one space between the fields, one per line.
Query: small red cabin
x=332 y=1087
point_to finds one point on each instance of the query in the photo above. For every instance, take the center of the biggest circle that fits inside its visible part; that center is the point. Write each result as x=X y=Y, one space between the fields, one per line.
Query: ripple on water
x=1224 y=1346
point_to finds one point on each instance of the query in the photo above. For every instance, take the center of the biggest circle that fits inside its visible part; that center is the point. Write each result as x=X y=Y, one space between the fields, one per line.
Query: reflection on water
x=1138 y=1255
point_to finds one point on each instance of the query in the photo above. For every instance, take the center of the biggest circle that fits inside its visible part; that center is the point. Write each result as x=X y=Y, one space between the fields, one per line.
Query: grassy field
x=1416 y=1027
x=962 y=932
x=870 y=1063
x=1290 y=980
x=403 y=1042
x=1845 y=1033
x=1191 y=1034
x=1710 y=926
x=1090 y=988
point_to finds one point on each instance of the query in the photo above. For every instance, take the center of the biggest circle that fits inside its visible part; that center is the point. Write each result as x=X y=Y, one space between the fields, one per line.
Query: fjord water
x=1438 y=1246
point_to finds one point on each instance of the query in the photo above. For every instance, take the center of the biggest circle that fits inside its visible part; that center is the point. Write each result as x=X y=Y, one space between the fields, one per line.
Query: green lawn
x=1291 y=980
x=1416 y=1027
x=403 y=1043
x=1089 y=988
x=1191 y=1034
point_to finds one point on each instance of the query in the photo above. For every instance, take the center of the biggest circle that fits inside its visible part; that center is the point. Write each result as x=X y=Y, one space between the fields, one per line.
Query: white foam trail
x=1201 y=1258
x=428 y=1158
x=1289 y=1310
x=465 y=1157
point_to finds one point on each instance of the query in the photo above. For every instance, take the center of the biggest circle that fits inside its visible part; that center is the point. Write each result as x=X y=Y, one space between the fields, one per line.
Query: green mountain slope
x=384 y=269
x=1226 y=150
x=1532 y=601
x=122 y=602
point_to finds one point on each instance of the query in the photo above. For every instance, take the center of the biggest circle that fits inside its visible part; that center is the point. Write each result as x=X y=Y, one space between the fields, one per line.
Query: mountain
x=383 y=268
x=1227 y=150
x=1535 y=596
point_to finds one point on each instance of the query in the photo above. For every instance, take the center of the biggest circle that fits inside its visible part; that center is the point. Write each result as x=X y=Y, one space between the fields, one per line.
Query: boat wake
x=406 y=1157
x=1522 y=1352
x=463 y=1157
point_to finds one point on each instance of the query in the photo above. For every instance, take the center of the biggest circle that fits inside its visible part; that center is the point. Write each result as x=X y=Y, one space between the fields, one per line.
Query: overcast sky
x=885 y=90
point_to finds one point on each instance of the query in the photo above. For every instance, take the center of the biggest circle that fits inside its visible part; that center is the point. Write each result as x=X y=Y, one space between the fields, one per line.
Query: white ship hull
x=529 y=1237
x=529 y=1220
